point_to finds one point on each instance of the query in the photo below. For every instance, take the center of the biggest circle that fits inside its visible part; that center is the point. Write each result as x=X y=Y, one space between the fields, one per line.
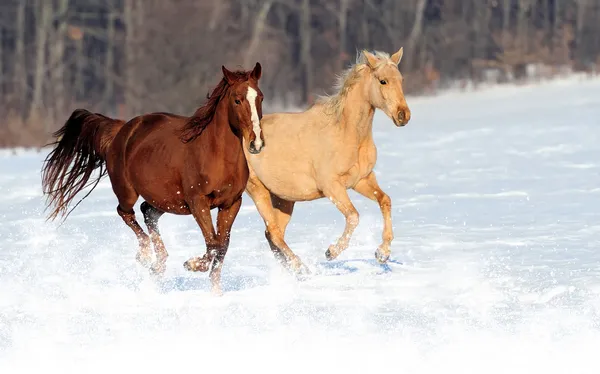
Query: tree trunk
x=259 y=25
x=579 y=42
x=107 y=99
x=43 y=21
x=305 y=57
x=19 y=68
x=415 y=33
x=57 y=60
x=343 y=19
x=132 y=14
x=506 y=22
x=2 y=79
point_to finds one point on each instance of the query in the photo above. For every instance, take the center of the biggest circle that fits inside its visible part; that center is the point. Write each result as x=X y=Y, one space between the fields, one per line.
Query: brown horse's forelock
x=204 y=115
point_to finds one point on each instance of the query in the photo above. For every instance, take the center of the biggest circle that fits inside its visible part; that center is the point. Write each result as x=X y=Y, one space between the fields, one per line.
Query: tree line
x=125 y=57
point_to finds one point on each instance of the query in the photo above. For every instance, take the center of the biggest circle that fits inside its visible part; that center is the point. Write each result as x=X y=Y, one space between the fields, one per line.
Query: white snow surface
x=495 y=265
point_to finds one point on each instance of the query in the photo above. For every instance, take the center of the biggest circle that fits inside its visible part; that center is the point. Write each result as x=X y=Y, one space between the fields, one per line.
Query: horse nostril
x=401 y=116
x=252 y=148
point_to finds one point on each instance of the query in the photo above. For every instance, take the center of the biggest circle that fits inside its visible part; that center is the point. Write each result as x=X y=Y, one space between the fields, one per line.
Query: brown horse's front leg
x=225 y=219
x=200 y=209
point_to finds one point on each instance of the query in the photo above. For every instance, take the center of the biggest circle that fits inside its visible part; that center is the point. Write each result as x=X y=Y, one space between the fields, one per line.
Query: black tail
x=83 y=142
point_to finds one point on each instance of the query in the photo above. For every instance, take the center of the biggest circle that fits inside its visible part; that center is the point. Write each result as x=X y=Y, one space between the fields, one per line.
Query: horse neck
x=223 y=138
x=357 y=113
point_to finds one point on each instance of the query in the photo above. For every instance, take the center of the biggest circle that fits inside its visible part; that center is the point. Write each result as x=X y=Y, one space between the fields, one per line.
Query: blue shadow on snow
x=238 y=282
x=346 y=267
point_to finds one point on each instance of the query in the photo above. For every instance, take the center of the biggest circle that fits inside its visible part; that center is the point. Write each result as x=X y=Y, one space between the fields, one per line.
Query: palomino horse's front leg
x=338 y=194
x=369 y=188
x=225 y=219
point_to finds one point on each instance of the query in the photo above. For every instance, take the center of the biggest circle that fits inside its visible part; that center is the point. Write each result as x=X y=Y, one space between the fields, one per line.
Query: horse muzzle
x=255 y=148
x=402 y=117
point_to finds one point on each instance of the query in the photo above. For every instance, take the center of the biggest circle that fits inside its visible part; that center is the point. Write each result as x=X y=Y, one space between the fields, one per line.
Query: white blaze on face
x=251 y=97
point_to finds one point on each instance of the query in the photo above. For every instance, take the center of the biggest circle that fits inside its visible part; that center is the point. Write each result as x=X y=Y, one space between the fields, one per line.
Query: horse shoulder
x=367 y=157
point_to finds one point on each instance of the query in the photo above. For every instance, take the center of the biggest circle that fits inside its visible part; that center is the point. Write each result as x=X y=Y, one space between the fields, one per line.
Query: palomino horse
x=180 y=165
x=326 y=150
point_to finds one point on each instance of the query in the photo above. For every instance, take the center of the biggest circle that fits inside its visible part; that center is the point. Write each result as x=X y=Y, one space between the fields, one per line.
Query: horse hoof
x=303 y=273
x=158 y=268
x=329 y=254
x=144 y=260
x=381 y=258
x=217 y=291
x=196 y=264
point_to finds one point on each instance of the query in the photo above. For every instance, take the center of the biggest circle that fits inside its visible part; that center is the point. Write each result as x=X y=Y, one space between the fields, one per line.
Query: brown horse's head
x=245 y=106
x=385 y=89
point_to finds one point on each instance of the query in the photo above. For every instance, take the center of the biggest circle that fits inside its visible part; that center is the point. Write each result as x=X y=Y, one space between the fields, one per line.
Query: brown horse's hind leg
x=369 y=188
x=338 y=194
x=144 y=255
x=262 y=199
x=151 y=216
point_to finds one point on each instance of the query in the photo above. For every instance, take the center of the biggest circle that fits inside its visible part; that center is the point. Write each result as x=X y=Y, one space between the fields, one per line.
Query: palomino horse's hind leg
x=369 y=188
x=338 y=194
x=144 y=255
x=151 y=216
x=262 y=199
x=283 y=210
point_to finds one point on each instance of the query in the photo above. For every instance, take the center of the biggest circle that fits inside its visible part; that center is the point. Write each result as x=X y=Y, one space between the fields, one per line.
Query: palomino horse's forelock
x=251 y=97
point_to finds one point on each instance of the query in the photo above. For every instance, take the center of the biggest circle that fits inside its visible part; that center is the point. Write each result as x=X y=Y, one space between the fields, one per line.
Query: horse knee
x=126 y=215
x=353 y=219
x=385 y=201
x=274 y=235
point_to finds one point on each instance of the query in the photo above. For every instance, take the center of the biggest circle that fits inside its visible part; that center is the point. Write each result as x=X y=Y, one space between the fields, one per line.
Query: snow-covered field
x=495 y=266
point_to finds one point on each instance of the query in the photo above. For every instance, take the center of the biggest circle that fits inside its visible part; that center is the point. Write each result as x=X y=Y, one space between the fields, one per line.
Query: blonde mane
x=334 y=103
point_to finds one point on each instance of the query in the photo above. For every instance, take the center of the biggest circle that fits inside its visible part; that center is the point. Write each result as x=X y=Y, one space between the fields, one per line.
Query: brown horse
x=180 y=165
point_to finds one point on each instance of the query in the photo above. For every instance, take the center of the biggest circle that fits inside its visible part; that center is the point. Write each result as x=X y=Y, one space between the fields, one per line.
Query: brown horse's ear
x=397 y=57
x=256 y=72
x=372 y=60
x=229 y=77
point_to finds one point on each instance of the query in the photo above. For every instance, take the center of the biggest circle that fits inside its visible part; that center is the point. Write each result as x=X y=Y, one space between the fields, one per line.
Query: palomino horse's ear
x=397 y=57
x=372 y=60
x=229 y=76
x=256 y=72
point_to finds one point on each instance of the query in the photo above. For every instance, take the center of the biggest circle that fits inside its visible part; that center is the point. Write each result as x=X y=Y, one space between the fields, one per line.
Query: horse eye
x=237 y=102
x=383 y=81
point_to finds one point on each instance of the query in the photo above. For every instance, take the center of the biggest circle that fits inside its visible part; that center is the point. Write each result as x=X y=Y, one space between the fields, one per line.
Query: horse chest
x=225 y=194
x=360 y=165
x=223 y=190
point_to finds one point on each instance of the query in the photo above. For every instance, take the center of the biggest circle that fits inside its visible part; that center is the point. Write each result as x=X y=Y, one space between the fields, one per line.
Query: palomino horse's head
x=245 y=106
x=385 y=87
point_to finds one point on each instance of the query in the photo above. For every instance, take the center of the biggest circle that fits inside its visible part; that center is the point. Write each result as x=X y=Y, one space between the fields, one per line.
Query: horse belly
x=164 y=197
x=160 y=187
x=292 y=186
